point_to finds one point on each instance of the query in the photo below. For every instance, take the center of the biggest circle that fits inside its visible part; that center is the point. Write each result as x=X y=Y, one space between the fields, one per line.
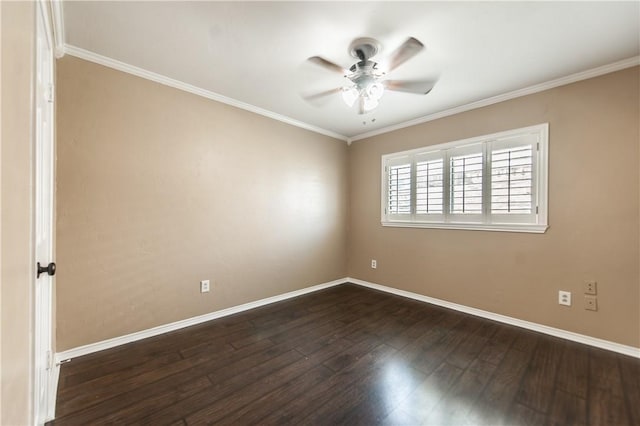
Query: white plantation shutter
x=512 y=180
x=399 y=189
x=494 y=182
x=430 y=187
x=466 y=183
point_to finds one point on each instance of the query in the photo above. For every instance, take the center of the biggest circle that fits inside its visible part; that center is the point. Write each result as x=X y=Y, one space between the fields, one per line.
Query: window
x=495 y=182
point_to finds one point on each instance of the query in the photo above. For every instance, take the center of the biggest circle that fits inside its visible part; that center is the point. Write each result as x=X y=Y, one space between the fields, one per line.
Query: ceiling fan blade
x=320 y=95
x=420 y=87
x=406 y=51
x=327 y=64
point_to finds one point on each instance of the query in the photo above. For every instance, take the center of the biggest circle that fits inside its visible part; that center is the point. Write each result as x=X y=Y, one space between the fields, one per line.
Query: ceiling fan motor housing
x=364 y=48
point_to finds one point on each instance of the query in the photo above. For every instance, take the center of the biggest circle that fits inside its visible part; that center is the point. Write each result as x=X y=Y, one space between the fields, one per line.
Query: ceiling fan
x=366 y=82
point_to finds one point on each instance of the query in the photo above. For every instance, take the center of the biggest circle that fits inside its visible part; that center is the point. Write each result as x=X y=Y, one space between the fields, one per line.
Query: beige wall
x=158 y=189
x=152 y=198
x=593 y=215
x=17 y=37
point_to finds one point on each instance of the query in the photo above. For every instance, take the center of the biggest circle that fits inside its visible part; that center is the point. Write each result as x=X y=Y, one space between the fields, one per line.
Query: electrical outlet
x=591 y=303
x=204 y=286
x=374 y=264
x=564 y=298
x=590 y=287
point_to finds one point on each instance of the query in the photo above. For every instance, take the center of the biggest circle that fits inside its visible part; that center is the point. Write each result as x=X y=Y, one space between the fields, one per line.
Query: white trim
x=573 y=78
x=507 y=227
x=176 y=84
x=58 y=28
x=143 y=334
x=43 y=124
x=48 y=21
x=552 y=331
x=54 y=376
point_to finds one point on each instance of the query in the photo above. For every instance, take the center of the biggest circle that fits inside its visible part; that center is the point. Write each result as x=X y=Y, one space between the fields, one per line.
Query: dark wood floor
x=351 y=355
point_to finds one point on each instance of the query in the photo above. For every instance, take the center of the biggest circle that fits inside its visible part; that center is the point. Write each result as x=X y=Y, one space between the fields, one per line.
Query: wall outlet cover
x=590 y=287
x=204 y=286
x=564 y=298
x=591 y=303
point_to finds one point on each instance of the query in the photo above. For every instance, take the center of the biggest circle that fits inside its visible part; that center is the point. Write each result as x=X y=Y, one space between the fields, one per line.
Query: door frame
x=44 y=370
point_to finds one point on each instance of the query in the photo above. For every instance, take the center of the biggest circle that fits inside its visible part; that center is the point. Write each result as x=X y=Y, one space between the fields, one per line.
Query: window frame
x=486 y=221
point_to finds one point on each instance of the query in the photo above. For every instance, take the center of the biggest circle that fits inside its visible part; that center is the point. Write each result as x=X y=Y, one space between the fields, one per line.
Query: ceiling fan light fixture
x=375 y=90
x=368 y=96
x=350 y=95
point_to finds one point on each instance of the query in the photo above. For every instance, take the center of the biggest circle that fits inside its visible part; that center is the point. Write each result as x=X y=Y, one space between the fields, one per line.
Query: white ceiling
x=255 y=52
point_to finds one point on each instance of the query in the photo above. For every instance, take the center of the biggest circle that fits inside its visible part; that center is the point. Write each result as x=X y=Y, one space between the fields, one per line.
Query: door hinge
x=49 y=360
x=536 y=209
x=538 y=146
x=50 y=93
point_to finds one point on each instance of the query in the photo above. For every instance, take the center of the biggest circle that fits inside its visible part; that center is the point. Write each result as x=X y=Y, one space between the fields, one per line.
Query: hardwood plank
x=443 y=347
x=161 y=378
x=526 y=340
x=311 y=321
x=131 y=405
x=573 y=371
x=214 y=411
x=350 y=356
x=304 y=405
x=399 y=320
x=497 y=397
x=505 y=335
x=539 y=380
x=453 y=409
x=414 y=331
x=222 y=387
x=467 y=350
x=498 y=344
x=604 y=372
x=271 y=402
x=630 y=369
x=493 y=352
x=377 y=398
x=106 y=376
x=567 y=409
x=429 y=393
x=524 y=416
x=308 y=321
x=606 y=409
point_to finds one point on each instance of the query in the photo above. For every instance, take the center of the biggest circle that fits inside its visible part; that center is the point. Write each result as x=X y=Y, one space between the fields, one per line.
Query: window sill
x=509 y=227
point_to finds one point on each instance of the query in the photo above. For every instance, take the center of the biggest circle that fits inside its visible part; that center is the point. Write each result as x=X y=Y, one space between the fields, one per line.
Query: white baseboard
x=568 y=335
x=564 y=334
x=143 y=334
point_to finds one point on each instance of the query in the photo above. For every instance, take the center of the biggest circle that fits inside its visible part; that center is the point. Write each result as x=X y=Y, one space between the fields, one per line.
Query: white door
x=43 y=219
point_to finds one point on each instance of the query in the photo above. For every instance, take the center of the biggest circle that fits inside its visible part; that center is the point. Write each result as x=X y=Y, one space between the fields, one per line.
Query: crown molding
x=573 y=78
x=180 y=85
x=58 y=28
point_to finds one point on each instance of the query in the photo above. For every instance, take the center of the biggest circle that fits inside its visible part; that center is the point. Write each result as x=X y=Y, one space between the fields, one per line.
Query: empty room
x=331 y=213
